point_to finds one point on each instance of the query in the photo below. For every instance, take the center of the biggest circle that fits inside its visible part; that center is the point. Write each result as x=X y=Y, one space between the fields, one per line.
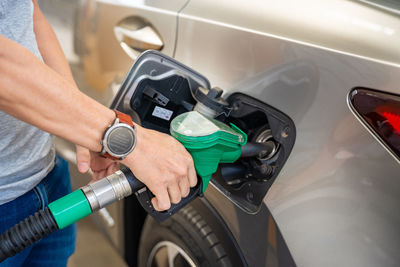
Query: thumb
x=82 y=159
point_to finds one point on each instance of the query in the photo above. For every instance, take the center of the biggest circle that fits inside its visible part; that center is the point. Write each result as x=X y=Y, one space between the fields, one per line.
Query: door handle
x=136 y=35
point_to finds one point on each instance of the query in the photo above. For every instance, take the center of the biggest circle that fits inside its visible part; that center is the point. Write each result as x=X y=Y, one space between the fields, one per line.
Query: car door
x=110 y=34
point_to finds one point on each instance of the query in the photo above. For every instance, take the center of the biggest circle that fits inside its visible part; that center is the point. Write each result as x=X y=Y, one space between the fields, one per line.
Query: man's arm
x=33 y=92
x=54 y=57
x=48 y=44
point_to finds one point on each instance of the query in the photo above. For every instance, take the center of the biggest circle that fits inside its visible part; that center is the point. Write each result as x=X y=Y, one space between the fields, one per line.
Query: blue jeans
x=55 y=249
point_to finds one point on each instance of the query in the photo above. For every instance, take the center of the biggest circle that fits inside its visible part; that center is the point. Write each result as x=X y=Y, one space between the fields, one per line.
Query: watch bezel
x=107 y=134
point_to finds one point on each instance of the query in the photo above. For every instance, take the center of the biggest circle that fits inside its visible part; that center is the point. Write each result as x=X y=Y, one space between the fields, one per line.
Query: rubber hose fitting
x=26 y=232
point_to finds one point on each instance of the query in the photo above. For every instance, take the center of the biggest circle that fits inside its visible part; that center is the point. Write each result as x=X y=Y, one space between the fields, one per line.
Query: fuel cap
x=210 y=103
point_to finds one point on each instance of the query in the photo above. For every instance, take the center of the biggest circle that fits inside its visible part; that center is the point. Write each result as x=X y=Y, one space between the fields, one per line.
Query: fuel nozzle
x=209 y=141
x=259 y=150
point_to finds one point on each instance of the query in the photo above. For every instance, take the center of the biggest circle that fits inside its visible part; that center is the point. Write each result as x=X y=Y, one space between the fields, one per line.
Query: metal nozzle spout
x=263 y=150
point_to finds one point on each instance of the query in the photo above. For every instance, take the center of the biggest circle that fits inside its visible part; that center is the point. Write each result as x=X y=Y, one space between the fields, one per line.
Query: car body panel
x=257 y=235
x=335 y=200
x=97 y=20
x=346 y=26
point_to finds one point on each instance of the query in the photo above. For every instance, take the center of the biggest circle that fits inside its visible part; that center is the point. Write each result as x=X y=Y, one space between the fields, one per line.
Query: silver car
x=318 y=79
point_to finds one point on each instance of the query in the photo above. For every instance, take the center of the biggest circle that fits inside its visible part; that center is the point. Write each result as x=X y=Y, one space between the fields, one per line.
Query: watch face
x=121 y=140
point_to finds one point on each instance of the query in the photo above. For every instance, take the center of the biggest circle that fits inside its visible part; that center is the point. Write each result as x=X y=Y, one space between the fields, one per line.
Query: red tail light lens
x=381 y=114
x=393 y=120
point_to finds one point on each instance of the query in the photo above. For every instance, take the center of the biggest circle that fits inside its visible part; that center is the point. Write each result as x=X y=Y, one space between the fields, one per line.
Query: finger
x=112 y=168
x=97 y=175
x=162 y=201
x=184 y=187
x=174 y=193
x=102 y=174
x=98 y=162
x=82 y=159
x=192 y=175
x=155 y=204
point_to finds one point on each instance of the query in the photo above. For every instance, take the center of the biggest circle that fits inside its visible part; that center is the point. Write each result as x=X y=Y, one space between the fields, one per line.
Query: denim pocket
x=42 y=195
x=38 y=199
x=18 y=209
x=58 y=182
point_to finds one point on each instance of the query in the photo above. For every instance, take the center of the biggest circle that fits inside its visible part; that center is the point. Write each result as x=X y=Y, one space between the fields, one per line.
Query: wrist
x=108 y=119
x=119 y=139
x=132 y=157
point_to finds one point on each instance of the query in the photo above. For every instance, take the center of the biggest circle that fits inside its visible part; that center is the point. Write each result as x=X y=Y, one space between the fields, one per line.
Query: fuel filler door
x=158 y=88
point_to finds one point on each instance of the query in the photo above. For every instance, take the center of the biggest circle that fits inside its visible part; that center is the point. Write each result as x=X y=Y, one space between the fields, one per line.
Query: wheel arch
x=134 y=217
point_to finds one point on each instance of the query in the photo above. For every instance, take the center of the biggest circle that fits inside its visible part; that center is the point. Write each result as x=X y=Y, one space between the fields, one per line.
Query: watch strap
x=124 y=118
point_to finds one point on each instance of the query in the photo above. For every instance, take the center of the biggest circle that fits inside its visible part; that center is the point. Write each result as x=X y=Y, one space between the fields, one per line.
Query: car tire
x=188 y=235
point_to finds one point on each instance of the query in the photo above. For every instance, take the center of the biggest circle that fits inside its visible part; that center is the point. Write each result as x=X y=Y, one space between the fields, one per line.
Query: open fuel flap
x=158 y=88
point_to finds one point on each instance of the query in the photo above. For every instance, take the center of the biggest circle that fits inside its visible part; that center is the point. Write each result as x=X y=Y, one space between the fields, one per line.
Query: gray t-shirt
x=26 y=152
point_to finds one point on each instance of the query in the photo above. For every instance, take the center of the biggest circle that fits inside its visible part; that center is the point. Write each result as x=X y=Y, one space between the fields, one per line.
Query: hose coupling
x=107 y=190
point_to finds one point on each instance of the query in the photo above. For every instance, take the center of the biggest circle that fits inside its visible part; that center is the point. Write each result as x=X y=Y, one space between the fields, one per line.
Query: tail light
x=380 y=112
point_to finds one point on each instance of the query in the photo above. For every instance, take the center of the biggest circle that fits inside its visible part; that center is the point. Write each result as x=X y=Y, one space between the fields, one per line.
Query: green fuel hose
x=67 y=210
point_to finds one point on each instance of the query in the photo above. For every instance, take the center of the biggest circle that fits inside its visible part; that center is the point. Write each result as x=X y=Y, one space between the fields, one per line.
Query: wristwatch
x=120 y=138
